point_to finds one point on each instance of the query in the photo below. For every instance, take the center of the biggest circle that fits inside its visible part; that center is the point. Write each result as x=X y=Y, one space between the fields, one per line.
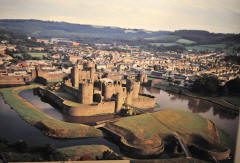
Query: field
x=148 y=131
x=45 y=123
x=76 y=152
x=164 y=44
x=211 y=47
x=38 y=55
x=186 y=42
x=165 y=38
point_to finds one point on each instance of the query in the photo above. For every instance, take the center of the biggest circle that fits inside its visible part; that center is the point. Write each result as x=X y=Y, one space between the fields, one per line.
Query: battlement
x=85 y=95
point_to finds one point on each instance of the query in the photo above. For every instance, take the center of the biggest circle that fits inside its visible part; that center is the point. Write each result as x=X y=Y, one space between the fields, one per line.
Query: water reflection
x=52 y=110
x=198 y=106
x=14 y=128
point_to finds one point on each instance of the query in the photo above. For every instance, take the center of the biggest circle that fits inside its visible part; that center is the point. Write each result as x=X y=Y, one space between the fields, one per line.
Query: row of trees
x=210 y=85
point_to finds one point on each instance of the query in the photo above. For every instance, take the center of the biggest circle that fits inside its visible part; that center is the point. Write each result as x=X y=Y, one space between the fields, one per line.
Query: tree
x=233 y=86
x=207 y=84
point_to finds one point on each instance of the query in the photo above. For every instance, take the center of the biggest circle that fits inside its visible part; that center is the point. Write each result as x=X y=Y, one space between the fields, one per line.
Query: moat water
x=14 y=128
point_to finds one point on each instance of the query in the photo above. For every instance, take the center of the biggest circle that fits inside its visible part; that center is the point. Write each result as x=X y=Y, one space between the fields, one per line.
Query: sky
x=219 y=16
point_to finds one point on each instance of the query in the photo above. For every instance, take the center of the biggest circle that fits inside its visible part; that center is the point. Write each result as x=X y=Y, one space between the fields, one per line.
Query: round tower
x=109 y=90
x=85 y=95
x=75 y=76
x=92 y=73
x=135 y=89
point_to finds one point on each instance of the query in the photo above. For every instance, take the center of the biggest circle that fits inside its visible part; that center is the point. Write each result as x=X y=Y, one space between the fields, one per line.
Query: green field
x=17 y=55
x=152 y=128
x=165 y=38
x=76 y=152
x=185 y=41
x=164 y=44
x=210 y=47
x=45 y=123
x=38 y=55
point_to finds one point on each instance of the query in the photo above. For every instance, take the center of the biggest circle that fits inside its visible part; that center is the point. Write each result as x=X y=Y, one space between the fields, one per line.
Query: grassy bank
x=77 y=152
x=148 y=131
x=48 y=125
x=232 y=102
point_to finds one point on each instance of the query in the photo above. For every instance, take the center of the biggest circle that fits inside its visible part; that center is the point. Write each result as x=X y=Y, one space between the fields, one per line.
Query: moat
x=15 y=128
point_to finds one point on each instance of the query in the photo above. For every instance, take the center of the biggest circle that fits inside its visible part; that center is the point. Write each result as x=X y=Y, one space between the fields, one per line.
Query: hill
x=49 y=29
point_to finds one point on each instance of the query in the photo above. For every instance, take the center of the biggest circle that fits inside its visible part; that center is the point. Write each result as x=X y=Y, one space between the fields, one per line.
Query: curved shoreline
x=47 y=125
x=229 y=105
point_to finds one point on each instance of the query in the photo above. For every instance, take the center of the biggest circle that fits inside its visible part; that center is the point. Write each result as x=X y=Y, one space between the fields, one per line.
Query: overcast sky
x=212 y=15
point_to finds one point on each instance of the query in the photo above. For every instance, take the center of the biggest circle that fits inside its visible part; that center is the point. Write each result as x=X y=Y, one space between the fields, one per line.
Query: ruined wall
x=89 y=110
x=11 y=80
x=52 y=98
x=85 y=95
x=144 y=101
x=50 y=77
x=79 y=74
x=70 y=90
x=83 y=110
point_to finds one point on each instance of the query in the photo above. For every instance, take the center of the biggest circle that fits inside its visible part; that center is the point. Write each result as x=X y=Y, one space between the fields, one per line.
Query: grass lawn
x=164 y=44
x=185 y=41
x=37 y=54
x=48 y=125
x=76 y=152
x=211 y=47
x=235 y=100
x=154 y=127
x=165 y=38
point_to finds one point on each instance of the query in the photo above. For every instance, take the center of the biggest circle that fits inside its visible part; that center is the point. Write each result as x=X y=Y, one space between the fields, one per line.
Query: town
x=58 y=56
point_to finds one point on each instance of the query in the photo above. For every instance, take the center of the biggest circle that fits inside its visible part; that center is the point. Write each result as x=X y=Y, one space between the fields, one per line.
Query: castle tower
x=109 y=90
x=75 y=76
x=92 y=73
x=135 y=89
x=85 y=95
x=120 y=98
x=33 y=74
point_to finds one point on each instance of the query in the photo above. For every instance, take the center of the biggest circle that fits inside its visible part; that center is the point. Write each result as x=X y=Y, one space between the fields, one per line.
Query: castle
x=102 y=95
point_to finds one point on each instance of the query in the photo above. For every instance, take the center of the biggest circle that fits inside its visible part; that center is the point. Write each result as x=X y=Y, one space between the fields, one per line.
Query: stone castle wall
x=89 y=110
x=50 y=77
x=70 y=90
x=143 y=102
x=11 y=81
